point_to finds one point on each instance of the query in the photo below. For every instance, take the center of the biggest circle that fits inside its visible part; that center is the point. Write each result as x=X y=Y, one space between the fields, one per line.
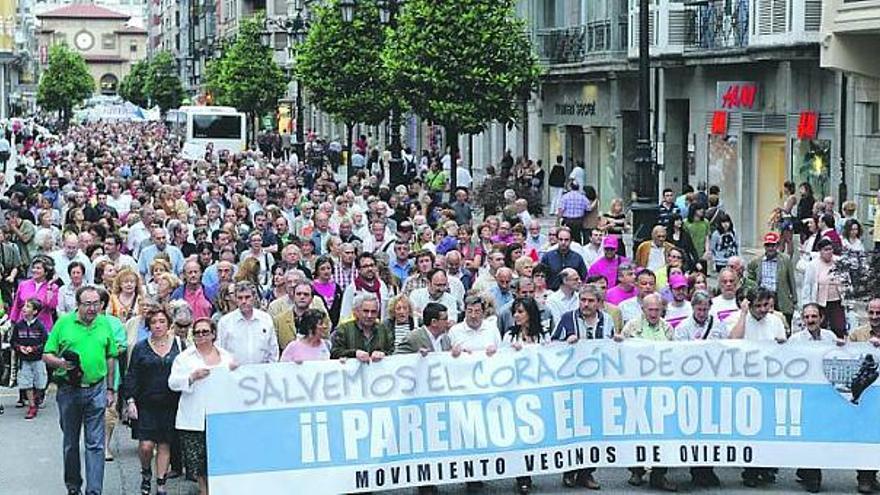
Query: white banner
x=412 y=420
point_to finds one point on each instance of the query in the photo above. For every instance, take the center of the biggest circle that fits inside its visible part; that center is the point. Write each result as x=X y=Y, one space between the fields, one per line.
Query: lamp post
x=295 y=28
x=388 y=13
x=645 y=208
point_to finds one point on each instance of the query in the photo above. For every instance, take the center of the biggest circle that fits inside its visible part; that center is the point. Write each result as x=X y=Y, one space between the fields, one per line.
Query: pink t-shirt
x=300 y=350
x=617 y=294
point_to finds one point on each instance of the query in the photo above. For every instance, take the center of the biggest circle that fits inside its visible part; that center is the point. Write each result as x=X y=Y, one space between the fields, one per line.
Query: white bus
x=224 y=127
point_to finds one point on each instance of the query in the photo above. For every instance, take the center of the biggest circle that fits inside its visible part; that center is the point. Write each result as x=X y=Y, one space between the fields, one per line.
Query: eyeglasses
x=90 y=304
x=202 y=333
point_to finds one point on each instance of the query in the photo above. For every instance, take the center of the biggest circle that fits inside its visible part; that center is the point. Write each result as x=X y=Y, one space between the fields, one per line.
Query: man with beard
x=366 y=281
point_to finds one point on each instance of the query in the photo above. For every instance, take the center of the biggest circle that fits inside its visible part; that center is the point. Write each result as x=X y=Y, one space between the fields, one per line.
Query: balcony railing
x=578 y=43
x=718 y=25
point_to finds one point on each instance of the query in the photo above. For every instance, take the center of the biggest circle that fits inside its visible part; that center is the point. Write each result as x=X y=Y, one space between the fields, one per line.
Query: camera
x=72 y=376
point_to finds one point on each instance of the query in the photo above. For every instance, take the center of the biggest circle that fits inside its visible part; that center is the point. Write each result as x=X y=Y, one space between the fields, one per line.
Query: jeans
x=82 y=409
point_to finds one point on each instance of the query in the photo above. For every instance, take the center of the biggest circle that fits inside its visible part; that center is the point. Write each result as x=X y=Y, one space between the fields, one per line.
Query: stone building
x=104 y=37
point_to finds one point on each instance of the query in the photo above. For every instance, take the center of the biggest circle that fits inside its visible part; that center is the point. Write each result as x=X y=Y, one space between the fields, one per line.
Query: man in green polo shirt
x=82 y=403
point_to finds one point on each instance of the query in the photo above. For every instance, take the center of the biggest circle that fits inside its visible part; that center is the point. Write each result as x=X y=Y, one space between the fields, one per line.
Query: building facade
x=753 y=64
x=102 y=36
x=850 y=39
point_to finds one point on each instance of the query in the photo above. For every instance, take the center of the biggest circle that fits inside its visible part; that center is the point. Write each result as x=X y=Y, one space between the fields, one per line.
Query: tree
x=340 y=64
x=163 y=84
x=246 y=76
x=132 y=86
x=462 y=63
x=65 y=83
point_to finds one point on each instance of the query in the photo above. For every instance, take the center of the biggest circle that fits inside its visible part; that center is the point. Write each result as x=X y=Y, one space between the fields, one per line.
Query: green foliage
x=132 y=86
x=246 y=76
x=462 y=63
x=340 y=64
x=163 y=84
x=65 y=83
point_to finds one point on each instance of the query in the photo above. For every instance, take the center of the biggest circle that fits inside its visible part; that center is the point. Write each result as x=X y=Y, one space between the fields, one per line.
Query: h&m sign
x=737 y=95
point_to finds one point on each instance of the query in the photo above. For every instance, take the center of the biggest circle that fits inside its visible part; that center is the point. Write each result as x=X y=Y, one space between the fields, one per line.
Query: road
x=30 y=464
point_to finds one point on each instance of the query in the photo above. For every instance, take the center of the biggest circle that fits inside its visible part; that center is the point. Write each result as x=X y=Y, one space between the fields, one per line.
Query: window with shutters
x=772 y=16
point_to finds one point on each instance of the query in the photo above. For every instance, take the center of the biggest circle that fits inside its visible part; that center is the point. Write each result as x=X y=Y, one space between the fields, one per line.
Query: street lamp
x=296 y=28
x=347 y=8
x=388 y=12
x=645 y=208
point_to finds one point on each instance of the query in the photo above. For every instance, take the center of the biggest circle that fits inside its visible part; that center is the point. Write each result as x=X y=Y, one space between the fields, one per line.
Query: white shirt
x=420 y=298
x=558 y=304
x=724 y=308
x=579 y=175
x=768 y=328
x=62 y=262
x=475 y=339
x=122 y=204
x=656 y=258
x=194 y=398
x=689 y=329
x=463 y=177
x=348 y=298
x=825 y=336
x=677 y=314
x=591 y=253
x=436 y=342
x=136 y=236
x=251 y=341
x=630 y=309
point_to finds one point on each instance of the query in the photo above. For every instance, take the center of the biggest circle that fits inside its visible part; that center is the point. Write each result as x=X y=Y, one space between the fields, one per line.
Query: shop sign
x=737 y=95
x=719 y=123
x=577 y=108
x=808 y=126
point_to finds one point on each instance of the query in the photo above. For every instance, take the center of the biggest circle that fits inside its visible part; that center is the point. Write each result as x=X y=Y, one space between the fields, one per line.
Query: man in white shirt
x=724 y=304
x=475 y=333
x=435 y=292
x=701 y=324
x=811 y=315
x=756 y=321
x=565 y=299
x=140 y=232
x=248 y=333
x=593 y=250
x=118 y=200
x=69 y=253
x=679 y=309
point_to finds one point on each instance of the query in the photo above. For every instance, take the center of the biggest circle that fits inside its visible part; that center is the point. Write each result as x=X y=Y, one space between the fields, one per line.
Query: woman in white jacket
x=824 y=287
x=188 y=371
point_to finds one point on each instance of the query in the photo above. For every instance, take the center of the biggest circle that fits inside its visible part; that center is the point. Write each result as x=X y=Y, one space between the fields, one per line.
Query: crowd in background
x=132 y=273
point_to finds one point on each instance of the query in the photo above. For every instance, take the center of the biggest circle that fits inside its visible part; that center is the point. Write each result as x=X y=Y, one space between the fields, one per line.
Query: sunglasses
x=202 y=333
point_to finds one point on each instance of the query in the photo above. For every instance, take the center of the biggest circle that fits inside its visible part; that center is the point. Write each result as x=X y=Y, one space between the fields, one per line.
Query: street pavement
x=30 y=464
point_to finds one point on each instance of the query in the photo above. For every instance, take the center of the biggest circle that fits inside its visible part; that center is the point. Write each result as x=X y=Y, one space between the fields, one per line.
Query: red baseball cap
x=771 y=238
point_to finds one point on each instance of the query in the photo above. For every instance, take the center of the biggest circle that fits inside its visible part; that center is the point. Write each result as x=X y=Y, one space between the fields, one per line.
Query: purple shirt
x=47 y=294
x=607 y=268
x=617 y=294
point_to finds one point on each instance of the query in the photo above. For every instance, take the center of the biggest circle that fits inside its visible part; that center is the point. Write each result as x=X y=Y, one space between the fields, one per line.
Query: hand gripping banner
x=412 y=420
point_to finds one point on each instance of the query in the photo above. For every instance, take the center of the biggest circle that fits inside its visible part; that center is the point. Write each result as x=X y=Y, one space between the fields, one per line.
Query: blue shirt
x=150 y=252
x=401 y=271
x=501 y=298
x=557 y=261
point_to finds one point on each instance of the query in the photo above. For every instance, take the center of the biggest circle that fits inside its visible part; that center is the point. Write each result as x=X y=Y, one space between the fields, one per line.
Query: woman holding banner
x=526 y=330
x=189 y=370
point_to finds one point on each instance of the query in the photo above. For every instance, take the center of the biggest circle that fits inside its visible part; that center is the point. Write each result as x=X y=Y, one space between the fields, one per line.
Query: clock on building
x=84 y=40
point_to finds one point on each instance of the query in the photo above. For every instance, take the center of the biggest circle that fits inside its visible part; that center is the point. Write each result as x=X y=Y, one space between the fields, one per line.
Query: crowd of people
x=133 y=273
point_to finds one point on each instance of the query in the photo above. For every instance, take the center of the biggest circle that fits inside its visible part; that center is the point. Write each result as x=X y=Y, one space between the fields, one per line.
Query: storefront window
x=811 y=163
x=724 y=168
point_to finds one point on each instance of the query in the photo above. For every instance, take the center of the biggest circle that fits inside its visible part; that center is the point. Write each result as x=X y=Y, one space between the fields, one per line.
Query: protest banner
x=413 y=420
